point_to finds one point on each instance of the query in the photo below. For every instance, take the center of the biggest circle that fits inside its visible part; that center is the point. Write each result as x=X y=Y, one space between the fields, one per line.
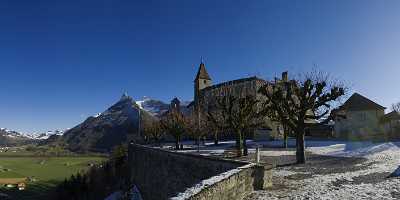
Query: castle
x=205 y=91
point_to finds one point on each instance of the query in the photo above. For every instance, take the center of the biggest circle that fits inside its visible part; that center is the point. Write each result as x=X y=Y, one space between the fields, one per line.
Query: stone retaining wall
x=232 y=185
x=161 y=174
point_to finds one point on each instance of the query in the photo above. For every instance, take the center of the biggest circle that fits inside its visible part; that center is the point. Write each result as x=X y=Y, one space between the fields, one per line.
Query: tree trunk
x=158 y=141
x=176 y=144
x=245 y=150
x=216 y=138
x=285 y=138
x=300 y=150
x=198 y=143
x=239 y=143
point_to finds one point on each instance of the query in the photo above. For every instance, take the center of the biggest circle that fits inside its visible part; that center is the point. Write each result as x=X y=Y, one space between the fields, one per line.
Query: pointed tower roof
x=202 y=73
x=175 y=100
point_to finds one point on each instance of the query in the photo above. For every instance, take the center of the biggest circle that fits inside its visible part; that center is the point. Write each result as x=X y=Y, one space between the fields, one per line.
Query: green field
x=48 y=171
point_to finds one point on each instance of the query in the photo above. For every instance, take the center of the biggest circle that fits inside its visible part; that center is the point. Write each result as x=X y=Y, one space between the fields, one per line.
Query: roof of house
x=202 y=73
x=392 y=116
x=359 y=102
x=232 y=82
x=12 y=180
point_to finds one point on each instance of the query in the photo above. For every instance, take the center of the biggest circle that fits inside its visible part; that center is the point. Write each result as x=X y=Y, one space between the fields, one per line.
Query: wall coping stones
x=233 y=179
x=209 y=182
x=239 y=162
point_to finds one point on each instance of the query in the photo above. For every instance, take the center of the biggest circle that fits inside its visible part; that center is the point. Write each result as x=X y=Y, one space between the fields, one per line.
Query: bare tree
x=240 y=115
x=396 y=107
x=154 y=131
x=216 y=122
x=197 y=127
x=173 y=123
x=308 y=98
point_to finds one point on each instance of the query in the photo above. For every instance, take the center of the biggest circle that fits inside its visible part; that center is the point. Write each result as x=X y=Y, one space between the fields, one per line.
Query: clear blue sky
x=61 y=61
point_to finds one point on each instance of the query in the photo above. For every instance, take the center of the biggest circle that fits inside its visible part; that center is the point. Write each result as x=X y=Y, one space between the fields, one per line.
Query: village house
x=359 y=118
x=391 y=124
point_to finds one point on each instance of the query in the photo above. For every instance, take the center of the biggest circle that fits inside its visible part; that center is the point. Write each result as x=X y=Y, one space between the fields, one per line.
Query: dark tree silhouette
x=396 y=107
x=216 y=122
x=299 y=101
x=154 y=131
x=99 y=181
x=239 y=115
x=197 y=127
x=173 y=123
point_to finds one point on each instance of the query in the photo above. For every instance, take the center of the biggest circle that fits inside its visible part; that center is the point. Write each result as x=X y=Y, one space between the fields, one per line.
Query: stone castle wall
x=232 y=185
x=161 y=174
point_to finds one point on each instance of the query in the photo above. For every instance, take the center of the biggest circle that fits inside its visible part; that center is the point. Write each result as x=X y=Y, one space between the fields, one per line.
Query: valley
x=40 y=173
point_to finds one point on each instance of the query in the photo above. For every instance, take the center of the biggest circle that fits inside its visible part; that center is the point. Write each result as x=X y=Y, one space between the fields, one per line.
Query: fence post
x=257 y=154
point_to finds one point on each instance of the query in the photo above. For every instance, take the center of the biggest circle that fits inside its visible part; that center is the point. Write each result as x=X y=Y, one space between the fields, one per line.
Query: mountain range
x=112 y=127
x=13 y=138
x=157 y=108
x=101 y=132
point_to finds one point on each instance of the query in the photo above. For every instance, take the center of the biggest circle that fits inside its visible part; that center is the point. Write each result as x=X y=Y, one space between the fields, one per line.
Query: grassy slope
x=48 y=170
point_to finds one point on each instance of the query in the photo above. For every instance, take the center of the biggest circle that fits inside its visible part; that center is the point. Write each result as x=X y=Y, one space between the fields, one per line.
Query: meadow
x=46 y=172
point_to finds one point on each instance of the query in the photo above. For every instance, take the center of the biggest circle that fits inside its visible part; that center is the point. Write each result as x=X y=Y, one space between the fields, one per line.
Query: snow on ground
x=207 y=182
x=384 y=157
x=334 y=170
x=339 y=170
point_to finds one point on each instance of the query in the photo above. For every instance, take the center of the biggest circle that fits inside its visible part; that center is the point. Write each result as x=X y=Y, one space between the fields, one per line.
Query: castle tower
x=202 y=81
x=175 y=105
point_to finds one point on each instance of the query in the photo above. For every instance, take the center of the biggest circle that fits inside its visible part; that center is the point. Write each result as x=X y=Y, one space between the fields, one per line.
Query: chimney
x=285 y=77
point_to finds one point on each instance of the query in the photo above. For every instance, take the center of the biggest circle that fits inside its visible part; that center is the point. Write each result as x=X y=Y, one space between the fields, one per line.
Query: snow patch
x=208 y=182
x=380 y=158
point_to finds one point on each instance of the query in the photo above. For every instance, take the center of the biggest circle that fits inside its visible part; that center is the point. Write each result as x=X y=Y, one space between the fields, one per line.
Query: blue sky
x=62 y=61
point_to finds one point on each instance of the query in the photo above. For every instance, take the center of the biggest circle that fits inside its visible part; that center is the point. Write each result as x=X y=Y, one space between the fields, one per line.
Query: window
x=363 y=116
x=205 y=81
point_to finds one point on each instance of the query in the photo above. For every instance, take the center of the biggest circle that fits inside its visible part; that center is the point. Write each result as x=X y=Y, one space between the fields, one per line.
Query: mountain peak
x=105 y=130
x=125 y=96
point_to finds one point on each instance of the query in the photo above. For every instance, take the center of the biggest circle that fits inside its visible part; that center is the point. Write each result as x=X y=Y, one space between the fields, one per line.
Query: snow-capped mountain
x=156 y=107
x=34 y=136
x=44 y=135
x=13 y=138
x=107 y=129
x=10 y=133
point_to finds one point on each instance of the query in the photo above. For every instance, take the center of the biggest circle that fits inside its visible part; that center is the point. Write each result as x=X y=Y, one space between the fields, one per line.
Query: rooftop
x=235 y=82
x=202 y=73
x=358 y=102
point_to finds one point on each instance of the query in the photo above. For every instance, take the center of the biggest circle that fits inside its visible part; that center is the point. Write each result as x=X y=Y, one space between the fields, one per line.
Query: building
x=205 y=92
x=359 y=118
x=391 y=124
